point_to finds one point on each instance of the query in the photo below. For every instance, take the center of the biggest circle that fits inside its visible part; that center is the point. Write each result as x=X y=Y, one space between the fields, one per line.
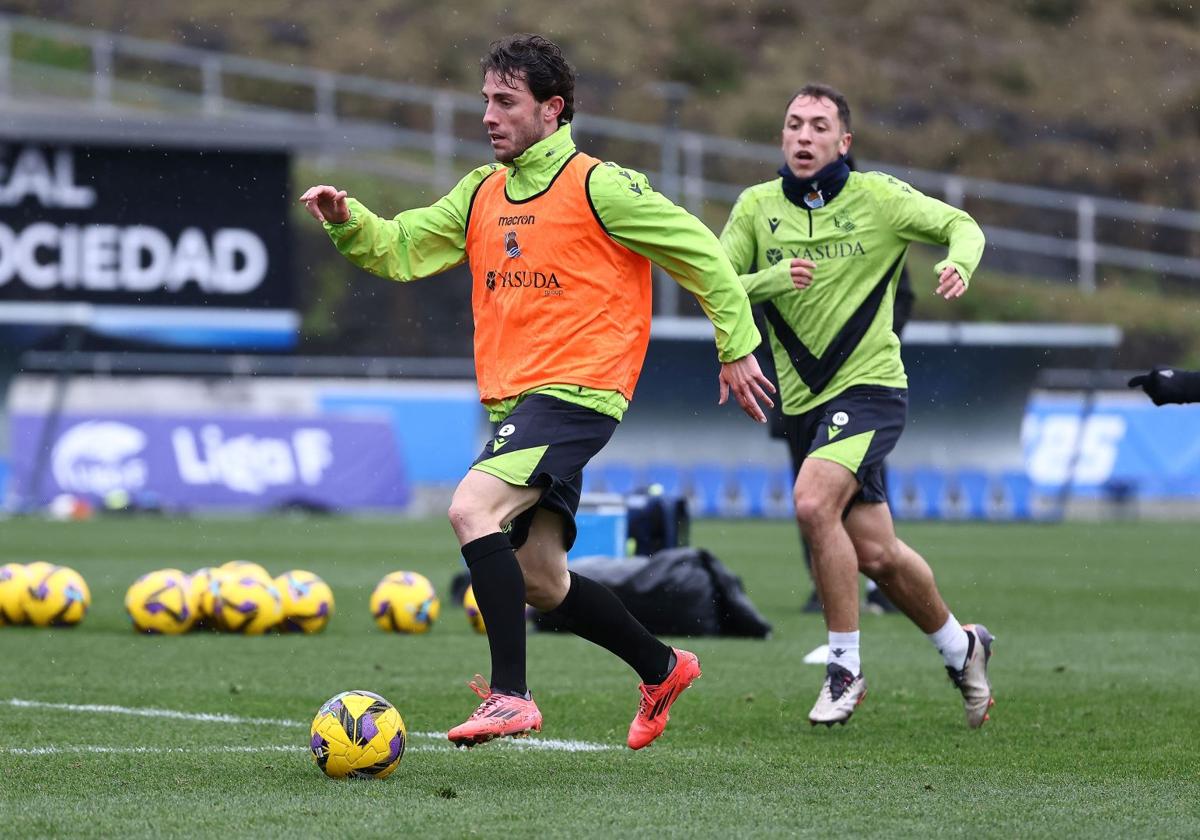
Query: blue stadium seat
x=930 y=484
x=1016 y=494
x=779 y=504
x=752 y=482
x=706 y=490
x=668 y=476
x=899 y=489
x=972 y=486
x=617 y=477
x=593 y=482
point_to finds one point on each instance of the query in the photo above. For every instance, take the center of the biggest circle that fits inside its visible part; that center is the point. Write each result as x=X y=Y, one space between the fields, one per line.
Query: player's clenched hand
x=950 y=284
x=1168 y=386
x=802 y=273
x=744 y=377
x=326 y=204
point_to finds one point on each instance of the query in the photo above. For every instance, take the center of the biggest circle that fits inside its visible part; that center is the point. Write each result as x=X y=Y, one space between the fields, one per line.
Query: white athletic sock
x=951 y=642
x=843 y=650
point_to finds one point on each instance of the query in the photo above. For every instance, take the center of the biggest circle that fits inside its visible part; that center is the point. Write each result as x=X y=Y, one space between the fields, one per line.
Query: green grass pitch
x=1095 y=733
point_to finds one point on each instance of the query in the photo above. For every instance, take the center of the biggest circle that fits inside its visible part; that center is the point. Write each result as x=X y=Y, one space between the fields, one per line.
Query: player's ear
x=553 y=106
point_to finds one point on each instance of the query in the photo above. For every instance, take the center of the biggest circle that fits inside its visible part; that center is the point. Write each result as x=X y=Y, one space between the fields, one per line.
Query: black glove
x=1168 y=385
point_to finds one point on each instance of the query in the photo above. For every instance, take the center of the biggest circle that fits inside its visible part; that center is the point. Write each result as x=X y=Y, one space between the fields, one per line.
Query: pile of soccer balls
x=238 y=597
x=43 y=595
x=406 y=602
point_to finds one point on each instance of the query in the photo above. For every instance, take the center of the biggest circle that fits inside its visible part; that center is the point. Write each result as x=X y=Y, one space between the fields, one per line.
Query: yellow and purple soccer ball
x=358 y=735
x=471 y=606
x=38 y=568
x=245 y=568
x=14 y=579
x=246 y=604
x=55 y=596
x=202 y=586
x=307 y=601
x=405 y=602
x=161 y=602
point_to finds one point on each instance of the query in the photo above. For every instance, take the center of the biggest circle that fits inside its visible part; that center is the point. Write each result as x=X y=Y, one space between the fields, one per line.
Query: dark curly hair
x=817 y=90
x=539 y=63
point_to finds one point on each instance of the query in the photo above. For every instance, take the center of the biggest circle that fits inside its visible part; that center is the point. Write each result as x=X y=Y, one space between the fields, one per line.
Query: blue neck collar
x=817 y=190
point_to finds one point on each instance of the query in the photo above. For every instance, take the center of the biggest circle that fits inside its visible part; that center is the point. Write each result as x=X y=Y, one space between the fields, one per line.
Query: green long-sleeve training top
x=837 y=333
x=425 y=241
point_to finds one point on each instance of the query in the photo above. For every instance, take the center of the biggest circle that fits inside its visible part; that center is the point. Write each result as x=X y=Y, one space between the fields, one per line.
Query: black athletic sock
x=500 y=592
x=591 y=611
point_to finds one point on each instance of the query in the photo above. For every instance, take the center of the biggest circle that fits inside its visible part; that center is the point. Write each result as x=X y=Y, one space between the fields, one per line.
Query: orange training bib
x=555 y=299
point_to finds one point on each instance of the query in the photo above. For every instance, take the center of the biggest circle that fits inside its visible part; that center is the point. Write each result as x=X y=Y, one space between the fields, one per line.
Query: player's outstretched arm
x=667 y=235
x=651 y=225
x=416 y=243
x=1166 y=385
x=749 y=385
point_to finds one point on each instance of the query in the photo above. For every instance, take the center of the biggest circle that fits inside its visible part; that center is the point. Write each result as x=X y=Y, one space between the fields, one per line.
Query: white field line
x=533 y=743
x=86 y=748
x=203 y=717
x=234 y=748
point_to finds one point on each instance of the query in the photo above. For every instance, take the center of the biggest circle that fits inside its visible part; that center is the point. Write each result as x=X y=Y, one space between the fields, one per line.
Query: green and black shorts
x=857 y=429
x=546 y=442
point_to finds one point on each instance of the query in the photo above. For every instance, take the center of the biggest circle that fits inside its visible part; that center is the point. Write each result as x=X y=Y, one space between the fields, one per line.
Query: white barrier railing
x=684 y=157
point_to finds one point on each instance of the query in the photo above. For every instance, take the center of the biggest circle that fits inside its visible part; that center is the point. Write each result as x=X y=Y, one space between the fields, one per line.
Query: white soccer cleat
x=972 y=678
x=839 y=697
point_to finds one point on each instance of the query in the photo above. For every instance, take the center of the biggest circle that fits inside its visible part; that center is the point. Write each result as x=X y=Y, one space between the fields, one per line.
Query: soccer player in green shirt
x=821 y=248
x=560 y=246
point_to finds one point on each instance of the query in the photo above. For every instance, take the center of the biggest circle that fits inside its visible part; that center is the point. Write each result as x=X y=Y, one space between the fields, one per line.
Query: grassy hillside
x=1078 y=94
x=1074 y=93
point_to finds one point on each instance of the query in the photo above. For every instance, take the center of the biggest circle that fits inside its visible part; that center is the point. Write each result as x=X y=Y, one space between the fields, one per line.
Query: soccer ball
x=307 y=601
x=202 y=587
x=246 y=604
x=405 y=602
x=14 y=579
x=244 y=568
x=55 y=596
x=161 y=602
x=474 y=616
x=38 y=569
x=359 y=735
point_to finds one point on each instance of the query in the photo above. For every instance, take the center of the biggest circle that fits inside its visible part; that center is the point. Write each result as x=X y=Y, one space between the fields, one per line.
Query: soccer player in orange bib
x=560 y=246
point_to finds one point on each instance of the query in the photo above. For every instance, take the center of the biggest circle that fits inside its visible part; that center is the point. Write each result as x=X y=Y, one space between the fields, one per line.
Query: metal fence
x=52 y=63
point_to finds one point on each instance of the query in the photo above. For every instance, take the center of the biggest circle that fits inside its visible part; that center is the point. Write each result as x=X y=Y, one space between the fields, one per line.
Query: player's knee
x=813 y=508
x=545 y=590
x=876 y=559
x=466 y=516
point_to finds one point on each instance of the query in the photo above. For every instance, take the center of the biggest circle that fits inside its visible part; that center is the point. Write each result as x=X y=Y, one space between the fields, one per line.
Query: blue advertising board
x=439 y=428
x=1122 y=440
x=215 y=462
